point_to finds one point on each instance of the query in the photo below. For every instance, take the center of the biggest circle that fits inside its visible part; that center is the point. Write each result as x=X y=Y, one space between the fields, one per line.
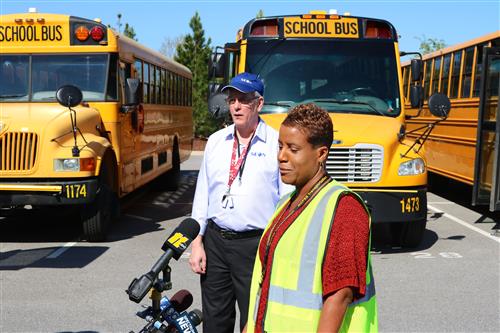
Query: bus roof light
x=82 y=33
x=32 y=10
x=97 y=33
x=263 y=28
x=376 y=29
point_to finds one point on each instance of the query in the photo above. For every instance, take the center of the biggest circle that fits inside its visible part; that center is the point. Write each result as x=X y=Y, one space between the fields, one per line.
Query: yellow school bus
x=350 y=67
x=133 y=125
x=464 y=147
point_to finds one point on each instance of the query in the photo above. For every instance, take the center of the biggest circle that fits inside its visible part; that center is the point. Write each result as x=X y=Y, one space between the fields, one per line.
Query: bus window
x=406 y=77
x=466 y=78
x=427 y=78
x=87 y=72
x=435 y=75
x=445 y=73
x=455 y=74
x=14 y=78
x=145 y=78
x=163 y=86
x=479 y=65
x=112 y=91
x=158 y=85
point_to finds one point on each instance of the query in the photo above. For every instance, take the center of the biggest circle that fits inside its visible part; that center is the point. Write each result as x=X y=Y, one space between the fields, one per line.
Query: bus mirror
x=416 y=96
x=416 y=69
x=132 y=92
x=216 y=65
x=217 y=105
x=69 y=96
x=439 y=105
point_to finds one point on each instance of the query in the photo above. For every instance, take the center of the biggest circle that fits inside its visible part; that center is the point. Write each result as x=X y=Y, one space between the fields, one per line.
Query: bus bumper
x=48 y=193
x=395 y=205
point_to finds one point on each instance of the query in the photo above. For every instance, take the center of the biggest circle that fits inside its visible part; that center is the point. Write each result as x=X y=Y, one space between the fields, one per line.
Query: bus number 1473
x=410 y=205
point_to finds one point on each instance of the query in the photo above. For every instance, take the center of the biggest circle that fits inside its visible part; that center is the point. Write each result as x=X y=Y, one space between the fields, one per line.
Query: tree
x=260 y=14
x=169 y=45
x=428 y=45
x=194 y=52
x=129 y=31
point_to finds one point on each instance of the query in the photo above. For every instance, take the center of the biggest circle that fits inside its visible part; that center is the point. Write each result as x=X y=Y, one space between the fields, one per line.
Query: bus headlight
x=413 y=167
x=74 y=164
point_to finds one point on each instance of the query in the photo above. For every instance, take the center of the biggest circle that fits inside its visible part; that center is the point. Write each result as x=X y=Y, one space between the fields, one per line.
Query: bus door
x=487 y=164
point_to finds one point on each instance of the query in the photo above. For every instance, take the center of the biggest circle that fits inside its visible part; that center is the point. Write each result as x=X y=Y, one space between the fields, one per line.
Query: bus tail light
x=267 y=28
x=82 y=33
x=376 y=29
x=97 y=33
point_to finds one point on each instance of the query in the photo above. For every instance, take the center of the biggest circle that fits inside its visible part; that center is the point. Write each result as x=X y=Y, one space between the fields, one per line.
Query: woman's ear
x=322 y=154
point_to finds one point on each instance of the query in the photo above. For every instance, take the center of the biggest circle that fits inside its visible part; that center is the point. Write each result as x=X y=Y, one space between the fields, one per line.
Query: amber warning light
x=82 y=33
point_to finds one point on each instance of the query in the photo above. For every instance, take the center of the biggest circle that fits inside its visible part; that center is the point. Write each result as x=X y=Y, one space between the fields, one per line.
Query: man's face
x=244 y=108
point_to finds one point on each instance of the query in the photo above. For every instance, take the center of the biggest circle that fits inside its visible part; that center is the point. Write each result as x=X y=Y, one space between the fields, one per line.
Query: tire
x=409 y=234
x=99 y=215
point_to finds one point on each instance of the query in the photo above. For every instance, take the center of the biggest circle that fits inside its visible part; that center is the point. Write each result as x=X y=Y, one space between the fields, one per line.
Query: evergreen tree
x=194 y=52
x=428 y=45
x=129 y=31
x=260 y=14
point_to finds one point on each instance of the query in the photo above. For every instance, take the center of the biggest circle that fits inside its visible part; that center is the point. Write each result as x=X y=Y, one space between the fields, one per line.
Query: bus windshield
x=340 y=76
x=47 y=73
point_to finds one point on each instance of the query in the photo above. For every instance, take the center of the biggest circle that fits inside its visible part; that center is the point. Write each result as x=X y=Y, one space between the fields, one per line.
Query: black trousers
x=227 y=280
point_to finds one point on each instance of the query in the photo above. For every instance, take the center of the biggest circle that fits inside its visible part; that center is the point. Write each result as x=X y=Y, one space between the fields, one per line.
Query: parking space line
x=465 y=224
x=60 y=250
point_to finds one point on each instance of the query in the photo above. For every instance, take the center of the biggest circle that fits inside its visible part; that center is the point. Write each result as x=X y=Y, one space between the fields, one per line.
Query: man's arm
x=334 y=308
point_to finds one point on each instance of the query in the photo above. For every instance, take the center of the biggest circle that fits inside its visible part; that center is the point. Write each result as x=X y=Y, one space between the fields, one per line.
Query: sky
x=154 y=20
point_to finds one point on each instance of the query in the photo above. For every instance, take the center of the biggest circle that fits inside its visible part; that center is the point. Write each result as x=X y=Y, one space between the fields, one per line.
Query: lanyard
x=237 y=165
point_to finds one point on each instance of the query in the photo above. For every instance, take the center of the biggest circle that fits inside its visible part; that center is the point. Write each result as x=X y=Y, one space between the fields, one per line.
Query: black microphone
x=186 y=322
x=175 y=245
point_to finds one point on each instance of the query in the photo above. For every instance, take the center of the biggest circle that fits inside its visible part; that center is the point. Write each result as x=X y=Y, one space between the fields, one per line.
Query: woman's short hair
x=313 y=121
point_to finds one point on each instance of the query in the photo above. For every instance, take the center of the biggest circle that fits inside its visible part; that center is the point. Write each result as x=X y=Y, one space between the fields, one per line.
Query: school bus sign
x=323 y=28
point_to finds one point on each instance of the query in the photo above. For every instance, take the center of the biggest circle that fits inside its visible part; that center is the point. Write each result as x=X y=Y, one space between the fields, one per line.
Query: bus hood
x=43 y=118
x=350 y=129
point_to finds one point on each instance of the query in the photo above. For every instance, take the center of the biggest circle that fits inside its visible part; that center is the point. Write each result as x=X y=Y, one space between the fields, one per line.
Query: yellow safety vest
x=295 y=295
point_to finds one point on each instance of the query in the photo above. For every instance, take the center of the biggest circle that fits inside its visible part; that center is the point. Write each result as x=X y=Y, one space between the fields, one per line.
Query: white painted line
x=60 y=250
x=441 y=203
x=465 y=224
x=139 y=217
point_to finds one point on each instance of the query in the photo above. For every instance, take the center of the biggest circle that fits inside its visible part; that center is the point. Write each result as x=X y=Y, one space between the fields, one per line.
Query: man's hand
x=198 y=259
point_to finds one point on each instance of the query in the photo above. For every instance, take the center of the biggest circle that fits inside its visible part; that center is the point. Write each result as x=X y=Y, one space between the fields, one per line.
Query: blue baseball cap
x=246 y=83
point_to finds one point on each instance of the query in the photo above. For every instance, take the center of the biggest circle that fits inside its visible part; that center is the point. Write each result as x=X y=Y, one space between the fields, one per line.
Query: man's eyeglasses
x=245 y=99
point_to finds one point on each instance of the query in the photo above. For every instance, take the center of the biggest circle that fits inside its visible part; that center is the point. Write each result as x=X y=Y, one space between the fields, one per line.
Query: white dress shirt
x=252 y=201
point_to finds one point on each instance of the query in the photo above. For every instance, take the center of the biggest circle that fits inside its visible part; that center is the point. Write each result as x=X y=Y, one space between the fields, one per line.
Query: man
x=236 y=193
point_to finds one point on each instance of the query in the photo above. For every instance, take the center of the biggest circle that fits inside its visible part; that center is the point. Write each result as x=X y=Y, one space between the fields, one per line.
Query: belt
x=231 y=234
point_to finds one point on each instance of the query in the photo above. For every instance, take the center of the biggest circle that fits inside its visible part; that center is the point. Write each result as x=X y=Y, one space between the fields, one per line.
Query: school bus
x=134 y=124
x=349 y=66
x=464 y=147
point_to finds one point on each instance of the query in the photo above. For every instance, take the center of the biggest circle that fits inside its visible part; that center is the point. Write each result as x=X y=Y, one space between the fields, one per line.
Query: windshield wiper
x=280 y=103
x=12 y=96
x=336 y=101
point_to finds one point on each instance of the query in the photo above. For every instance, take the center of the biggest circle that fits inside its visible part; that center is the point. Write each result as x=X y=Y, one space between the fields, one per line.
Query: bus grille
x=18 y=151
x=361 y=163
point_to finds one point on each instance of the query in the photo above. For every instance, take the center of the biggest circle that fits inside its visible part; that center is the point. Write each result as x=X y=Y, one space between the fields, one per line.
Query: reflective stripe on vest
x=303 y=297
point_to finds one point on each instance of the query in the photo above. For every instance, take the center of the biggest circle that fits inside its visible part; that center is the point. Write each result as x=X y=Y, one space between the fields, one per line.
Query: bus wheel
x=97 y=217
x=412 y=233
x=170 y=180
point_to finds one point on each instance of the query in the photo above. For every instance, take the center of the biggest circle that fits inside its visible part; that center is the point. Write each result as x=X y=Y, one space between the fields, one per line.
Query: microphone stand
x=160 y=286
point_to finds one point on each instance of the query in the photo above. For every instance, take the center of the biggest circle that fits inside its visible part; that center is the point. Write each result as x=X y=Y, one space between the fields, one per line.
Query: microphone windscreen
x=181 y=300
x=196 y=317
x=181 y=237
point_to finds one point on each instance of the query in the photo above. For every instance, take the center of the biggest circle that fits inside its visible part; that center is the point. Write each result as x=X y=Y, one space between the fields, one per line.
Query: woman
x=312 y=272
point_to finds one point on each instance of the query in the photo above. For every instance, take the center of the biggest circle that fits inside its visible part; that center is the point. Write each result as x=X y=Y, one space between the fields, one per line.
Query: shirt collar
x=260 y=132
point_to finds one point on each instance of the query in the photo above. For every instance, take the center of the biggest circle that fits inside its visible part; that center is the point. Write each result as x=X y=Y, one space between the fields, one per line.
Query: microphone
x=175 y=245
x=186 y=323
x=170 y=309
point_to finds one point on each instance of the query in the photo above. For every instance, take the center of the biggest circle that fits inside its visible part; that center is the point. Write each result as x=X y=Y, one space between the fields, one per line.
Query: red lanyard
x=237 y=165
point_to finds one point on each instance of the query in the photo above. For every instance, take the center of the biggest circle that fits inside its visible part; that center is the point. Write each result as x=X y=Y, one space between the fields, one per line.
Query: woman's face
x=298 y=159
